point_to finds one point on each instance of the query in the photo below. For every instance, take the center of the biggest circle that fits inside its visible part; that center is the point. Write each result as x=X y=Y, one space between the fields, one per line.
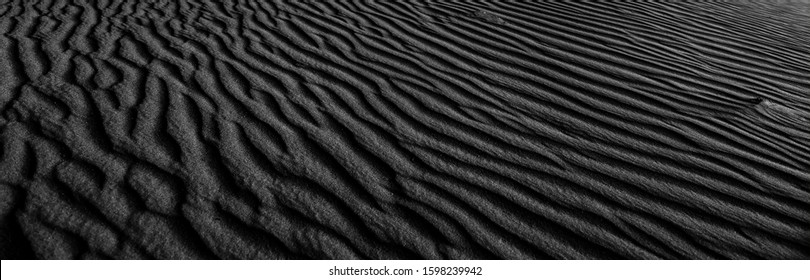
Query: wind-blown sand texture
x=348 y=129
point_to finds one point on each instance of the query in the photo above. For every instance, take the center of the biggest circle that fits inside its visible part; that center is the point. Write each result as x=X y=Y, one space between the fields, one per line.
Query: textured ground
x=404 y=129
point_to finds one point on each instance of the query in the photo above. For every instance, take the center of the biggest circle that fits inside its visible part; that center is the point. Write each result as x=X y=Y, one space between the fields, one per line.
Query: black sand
x=404 y=129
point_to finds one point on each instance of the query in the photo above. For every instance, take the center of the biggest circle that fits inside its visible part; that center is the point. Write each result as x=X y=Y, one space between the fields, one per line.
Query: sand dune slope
x=344 y=129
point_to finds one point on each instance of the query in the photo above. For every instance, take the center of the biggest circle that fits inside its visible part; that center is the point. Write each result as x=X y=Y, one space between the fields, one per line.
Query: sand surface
x=355 y=129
